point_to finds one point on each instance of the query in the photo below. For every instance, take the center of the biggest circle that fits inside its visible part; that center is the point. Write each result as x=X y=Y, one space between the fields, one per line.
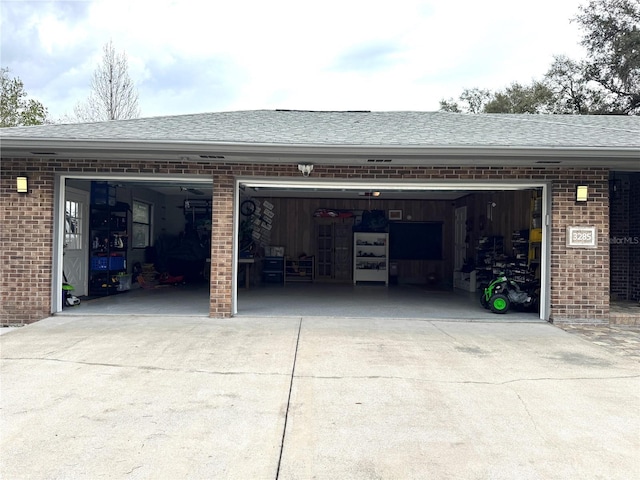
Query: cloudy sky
x=190 y=56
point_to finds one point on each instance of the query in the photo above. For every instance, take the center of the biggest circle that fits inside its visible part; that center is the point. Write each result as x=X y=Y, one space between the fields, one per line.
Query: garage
x=288 y=195
x=446 y=241
x=297 y=247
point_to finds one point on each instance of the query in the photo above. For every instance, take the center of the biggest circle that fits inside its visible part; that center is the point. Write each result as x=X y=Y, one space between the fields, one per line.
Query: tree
x=113 y=95
x=15 y=108
x=473 y=101
x=607 y=81
x=573 y=93
x=612 y=40
x=516 y=98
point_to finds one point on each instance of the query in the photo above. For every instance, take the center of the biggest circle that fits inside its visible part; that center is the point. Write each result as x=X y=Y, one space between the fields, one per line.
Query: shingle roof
x=288 y=127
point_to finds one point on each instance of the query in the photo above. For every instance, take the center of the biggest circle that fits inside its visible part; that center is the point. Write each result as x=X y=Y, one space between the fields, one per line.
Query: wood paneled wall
x=512 y=212
x=294 y=229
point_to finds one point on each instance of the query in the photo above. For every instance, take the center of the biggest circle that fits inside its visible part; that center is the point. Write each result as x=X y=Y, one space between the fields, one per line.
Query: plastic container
x=117 y=263
x=99 y=263
x=124 y=283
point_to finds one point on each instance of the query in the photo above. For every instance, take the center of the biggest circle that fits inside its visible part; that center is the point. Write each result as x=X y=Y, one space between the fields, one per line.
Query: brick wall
x=634 y=238
x=625 y=237
x=580 y=278
x=26 y=225
x=619 y=248
x=221 y=245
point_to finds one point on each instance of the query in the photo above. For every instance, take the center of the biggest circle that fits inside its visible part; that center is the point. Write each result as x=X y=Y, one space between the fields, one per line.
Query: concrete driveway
x=324 y=398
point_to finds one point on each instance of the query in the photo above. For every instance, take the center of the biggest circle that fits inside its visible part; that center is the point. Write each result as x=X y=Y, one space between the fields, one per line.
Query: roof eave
x=291 y=153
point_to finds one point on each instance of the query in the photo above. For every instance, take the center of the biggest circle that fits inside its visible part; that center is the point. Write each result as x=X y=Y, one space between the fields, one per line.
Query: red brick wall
x=221 y=246
x=580 y=278
x=26 y=225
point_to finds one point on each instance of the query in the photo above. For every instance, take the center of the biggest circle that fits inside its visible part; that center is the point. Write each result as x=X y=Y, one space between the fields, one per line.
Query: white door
x=460 y=247
x=76 y=226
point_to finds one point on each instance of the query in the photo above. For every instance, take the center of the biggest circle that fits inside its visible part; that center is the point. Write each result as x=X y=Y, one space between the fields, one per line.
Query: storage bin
x=99 y=263
x=273 y=263
x=272 y=277
x=117 y=263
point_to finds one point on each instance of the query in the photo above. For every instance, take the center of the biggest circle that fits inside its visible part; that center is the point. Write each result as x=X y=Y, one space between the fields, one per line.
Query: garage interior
x=296 y=249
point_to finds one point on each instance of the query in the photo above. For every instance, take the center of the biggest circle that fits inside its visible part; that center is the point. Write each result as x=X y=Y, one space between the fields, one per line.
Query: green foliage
x=15 y=108
x=573 y=93
x=449 y=106
x=476 y=99
x=612 y=39
x=517 y=98
x=472 y=100
x=606 y=82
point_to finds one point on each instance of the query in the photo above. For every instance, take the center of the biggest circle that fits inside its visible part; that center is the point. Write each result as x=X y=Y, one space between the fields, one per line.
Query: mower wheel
x=499 y=303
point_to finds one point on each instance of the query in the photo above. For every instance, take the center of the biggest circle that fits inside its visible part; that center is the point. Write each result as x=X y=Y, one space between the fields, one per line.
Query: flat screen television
x=415 y=240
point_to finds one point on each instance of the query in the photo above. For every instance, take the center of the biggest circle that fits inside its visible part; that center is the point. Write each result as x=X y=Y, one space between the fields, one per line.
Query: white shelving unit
x=371 y=257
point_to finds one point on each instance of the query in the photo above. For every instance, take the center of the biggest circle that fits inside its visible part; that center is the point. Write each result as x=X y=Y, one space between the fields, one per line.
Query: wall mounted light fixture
x=582 y=193
x=305 y=168
x=22 y=185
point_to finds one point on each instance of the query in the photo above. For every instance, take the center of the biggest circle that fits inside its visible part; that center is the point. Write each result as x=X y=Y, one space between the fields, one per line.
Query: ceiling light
x=305 y=168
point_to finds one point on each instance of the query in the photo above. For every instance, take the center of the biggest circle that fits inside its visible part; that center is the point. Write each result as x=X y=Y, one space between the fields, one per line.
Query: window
x=73 y=225
x=141 y=227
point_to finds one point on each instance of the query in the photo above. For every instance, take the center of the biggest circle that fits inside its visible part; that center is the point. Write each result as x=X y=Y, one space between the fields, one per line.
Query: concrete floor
x=305 y=299
x=291 y=398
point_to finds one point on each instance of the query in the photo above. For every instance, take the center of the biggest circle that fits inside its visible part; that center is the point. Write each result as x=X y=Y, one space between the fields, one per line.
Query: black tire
x=499 y=303
x=483 y=300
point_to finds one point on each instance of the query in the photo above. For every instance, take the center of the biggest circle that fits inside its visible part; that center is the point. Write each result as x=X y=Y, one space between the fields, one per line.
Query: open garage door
x=142 y=245
x=303 y=256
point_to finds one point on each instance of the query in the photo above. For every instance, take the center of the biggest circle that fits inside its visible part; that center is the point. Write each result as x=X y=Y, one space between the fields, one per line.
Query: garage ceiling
x=205 y=190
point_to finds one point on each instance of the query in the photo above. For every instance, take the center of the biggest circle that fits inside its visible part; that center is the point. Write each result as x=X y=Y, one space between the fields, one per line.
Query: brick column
x=580 y=276
x=26 y=236
x=221 y=286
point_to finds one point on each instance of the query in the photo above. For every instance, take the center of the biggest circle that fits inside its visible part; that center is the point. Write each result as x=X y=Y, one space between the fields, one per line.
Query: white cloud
x=192 y=56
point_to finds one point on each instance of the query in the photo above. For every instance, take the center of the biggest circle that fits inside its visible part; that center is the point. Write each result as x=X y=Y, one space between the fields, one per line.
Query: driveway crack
x=465 y=382
x=286 y=414
x=144 y=367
